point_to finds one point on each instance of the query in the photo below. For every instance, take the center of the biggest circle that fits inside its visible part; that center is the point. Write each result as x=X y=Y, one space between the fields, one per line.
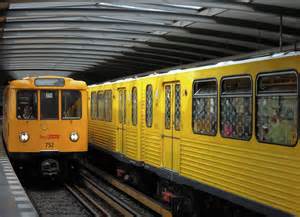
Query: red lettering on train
x=50 y=136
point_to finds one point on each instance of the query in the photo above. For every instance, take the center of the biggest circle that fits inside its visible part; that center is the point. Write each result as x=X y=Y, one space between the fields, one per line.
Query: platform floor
x=14 y=201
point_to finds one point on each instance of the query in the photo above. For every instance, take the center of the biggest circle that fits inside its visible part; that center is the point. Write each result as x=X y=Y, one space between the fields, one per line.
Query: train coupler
x=50 y=167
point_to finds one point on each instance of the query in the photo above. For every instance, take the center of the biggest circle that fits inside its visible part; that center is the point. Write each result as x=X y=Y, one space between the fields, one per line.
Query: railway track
x=53 y=199
x=87 y=201
x=97 y=199
x=88 y=195
x=156 y=208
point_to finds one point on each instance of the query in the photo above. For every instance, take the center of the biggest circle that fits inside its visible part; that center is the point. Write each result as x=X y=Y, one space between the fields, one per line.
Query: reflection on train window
x=94 y=105
x=100 y=101
x=277 y=106
x=134 y=106
x=204 y=114
x=27 y=104
x=108 y=105
x=71 y=104
x=49 y=104
x=149 y=105
x=236 y=108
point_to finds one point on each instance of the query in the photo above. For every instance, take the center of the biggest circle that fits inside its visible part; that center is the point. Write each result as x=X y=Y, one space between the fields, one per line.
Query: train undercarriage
x=48 y=165
x=182 y=199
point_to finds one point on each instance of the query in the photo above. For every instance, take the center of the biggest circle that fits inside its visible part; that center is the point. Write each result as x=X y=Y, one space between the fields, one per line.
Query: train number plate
x=49 y=145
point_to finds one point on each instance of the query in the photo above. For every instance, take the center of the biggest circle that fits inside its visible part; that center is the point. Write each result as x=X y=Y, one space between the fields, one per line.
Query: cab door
x=171 y=126
x=49 y=117
x=121 y=120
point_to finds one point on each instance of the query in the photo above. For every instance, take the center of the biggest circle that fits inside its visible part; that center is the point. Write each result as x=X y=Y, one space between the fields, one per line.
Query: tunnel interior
x=102 y=40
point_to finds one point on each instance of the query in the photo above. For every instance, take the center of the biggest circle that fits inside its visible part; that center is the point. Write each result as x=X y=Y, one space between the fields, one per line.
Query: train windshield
x=27 y=104
x=71 y=104
x=49 y=104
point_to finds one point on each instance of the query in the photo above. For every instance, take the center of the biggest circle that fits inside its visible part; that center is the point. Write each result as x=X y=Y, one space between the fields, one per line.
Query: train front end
x=47 y=123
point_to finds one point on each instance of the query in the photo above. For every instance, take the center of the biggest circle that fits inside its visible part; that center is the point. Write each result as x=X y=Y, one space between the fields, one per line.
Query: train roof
x=208 y=66
x=30 y=83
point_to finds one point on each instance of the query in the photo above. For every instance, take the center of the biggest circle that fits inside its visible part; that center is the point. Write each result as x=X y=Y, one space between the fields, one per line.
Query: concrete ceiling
x=100 y=40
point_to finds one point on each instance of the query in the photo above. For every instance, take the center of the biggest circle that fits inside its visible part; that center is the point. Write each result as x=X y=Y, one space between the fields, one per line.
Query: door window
x=177 y=115
x=149 y=105
x=167 y=107
x=122 y=106
x=49 y=104
x=134 y=106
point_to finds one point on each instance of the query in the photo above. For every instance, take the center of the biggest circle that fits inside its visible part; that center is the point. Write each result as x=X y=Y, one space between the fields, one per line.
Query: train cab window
x=236 y=108
x=49 y=104
x=71 y=104
x=277 y=108
x=134 y=106
x=93 y=105
x=100 y=102
x=108 y=105
x=204 y=110
x=149 y=105
x=27 y=104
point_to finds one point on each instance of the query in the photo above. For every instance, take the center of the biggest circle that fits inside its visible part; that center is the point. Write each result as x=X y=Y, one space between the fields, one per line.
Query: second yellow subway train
x=221 y=134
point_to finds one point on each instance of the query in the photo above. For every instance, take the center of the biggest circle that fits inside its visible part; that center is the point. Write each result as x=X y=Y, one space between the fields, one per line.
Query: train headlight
x=24 y=137
x=74 y=136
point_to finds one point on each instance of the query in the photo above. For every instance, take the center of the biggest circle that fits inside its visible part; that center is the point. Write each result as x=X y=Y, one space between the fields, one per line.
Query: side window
x=108 y=105
x=236 y=108
x=100 y=104
x=149 y=105
x=26 y=104
x=93 y=105
x=134 y=106
x=204 y=110
x=277 y=108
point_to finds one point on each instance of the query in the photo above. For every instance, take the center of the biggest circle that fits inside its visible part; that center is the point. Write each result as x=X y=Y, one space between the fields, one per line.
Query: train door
x=49 y=107
x=171 y=126
x=121 y=119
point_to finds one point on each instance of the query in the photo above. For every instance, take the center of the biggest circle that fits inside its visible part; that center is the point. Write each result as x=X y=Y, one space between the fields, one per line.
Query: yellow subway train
x=45 y=122
x=217 y=140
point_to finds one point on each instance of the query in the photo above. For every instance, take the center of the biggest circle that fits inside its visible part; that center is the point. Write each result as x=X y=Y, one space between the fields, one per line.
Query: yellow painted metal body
x=265 y=173
x=43 y=132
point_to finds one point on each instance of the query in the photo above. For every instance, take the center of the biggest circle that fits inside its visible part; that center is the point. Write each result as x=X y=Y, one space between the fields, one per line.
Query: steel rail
x=110 y=199
x=143 y=199
x=73 y=190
